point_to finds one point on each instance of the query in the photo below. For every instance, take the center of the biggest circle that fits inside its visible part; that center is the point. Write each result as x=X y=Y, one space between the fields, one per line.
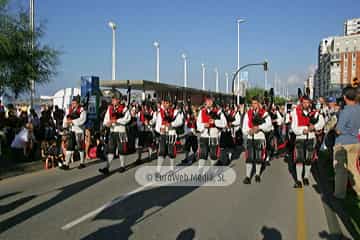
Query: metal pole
x=227 y=82
x=158 y=64
x=185 y=72
x=216 y=80
x=266 y=76
x=32 y=26
x=114 y=55
x=203 y=76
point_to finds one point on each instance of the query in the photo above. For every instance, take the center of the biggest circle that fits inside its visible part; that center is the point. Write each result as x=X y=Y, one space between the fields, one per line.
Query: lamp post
x=157 y=46
x=239 y=21
x=112 y=25
x=32 y=26
x=216 y=80
x=203 y=76
x=184 y=57
x=227 y=82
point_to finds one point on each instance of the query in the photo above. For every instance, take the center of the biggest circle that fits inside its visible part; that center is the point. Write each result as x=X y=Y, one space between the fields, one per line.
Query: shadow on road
x=15 y=204
x=328 y=236
x=66 y=192
x=8 y=195
x=270 y=234
x=132 y=211
x=187 y=234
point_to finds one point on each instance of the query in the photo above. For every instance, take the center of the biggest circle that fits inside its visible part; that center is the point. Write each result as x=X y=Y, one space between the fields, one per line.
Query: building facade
x=338 y=64
x=352 y=27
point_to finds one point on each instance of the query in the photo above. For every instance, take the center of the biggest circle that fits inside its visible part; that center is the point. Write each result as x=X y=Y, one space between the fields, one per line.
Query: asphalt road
x=82 y=204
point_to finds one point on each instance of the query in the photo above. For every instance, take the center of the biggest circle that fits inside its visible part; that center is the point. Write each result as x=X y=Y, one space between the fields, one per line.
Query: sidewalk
x=340 y=221
x=20 y=168
x=24 y=168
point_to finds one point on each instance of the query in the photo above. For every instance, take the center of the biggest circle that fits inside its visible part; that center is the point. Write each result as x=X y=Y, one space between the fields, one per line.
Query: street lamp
x=216 y=79
x=203 y=76
x=183 y=56
x=227 y=82
x=239 y=21
x=157 y=46
x=32 y=25
x=112 y=25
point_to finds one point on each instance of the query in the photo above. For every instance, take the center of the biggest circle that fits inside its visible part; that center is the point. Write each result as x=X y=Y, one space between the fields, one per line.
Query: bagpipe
x=75 y=114
x=214 y=114
x=258 y=120
x=148 y=116
x=117 y=113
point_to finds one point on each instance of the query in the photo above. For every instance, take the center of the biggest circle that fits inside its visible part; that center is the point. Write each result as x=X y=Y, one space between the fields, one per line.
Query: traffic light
x=265 y=66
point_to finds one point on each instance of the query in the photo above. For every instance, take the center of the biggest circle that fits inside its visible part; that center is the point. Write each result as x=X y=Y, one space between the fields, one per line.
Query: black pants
x=167 y=146
x=117 y=141
x=304 y=151
x=75 y=141
x=255 y=152
x=191 y=143
x=208 y=146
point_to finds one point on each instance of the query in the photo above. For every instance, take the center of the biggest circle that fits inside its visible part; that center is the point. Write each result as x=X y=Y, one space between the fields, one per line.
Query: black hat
x=167 y=99
x=115 y=94
x=76 y=99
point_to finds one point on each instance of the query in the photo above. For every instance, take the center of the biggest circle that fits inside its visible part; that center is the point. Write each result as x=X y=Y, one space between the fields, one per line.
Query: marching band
x=210 y=132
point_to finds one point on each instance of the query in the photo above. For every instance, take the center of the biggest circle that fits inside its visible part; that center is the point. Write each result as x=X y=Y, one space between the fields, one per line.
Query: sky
x=286 y=33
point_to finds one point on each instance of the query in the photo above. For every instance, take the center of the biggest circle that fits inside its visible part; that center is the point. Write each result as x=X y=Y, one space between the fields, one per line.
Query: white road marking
x=103 y=207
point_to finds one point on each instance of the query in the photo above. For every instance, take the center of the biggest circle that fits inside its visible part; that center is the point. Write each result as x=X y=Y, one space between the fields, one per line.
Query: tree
x=19 y=62
x=259 y=92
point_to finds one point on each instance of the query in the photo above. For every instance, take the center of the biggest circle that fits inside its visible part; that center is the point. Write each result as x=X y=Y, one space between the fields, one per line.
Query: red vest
x=113 y=109
x=142 y=116
x=250 y=114
x=163 y=113
x=205 y=116
x=303 y=120
x=191 y=122
x=78 y=110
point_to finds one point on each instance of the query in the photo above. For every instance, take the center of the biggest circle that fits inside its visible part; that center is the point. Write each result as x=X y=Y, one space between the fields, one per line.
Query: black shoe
x=257 y=179
x=267 y=163
x=297 y=184
x=104 y=171
x=306 y=182
x=247 y=181
x=81 y=166
x=121 y=169
x=65 y=167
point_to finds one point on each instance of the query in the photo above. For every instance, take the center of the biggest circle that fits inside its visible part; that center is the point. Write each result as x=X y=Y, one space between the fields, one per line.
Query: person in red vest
x=145 y=123
x=74 y=120
x=167 y=120
x=257 y=123
x=116 y=118
x=191 y=141
x=209 y=121
x=305 y=123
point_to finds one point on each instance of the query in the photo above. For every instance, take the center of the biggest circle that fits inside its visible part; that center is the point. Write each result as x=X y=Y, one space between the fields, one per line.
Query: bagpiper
x=209 y=121
x=191 y=140
x=116 y=118
x=167 y=121
x=74 y=121
x=257 y=123
x=305 y=122
x=146 y=122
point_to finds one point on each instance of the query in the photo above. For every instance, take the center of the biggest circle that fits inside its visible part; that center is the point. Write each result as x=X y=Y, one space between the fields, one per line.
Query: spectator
x=345 y=149
x=24 y=140
x=58 y=117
